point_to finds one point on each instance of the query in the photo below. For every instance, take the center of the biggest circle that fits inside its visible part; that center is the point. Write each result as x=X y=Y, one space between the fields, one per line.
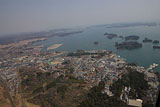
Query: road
x=20 y=87
x=5 y=87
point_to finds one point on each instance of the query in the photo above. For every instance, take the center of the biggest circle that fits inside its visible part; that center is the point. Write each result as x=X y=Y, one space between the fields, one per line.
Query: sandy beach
x=54 y=46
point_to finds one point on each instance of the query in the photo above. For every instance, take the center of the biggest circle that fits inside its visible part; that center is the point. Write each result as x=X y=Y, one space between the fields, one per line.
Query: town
x=90 y=66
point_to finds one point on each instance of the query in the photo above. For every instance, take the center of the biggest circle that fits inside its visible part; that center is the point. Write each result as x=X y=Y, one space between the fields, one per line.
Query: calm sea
x=143 y=56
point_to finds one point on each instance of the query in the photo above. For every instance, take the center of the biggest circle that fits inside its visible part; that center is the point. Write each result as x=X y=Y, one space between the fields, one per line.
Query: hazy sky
x=35 y=15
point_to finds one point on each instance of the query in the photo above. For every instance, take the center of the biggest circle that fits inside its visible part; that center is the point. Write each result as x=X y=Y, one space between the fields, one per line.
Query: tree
x=95 y=98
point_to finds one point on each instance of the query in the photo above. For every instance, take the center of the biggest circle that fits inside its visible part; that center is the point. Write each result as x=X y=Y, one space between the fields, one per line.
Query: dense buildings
x=38 y=73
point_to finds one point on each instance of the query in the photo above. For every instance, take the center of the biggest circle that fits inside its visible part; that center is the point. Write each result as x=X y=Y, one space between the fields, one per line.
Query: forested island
x=96 y=43
x=146 y=40
x=130 y=42
x=156 y=42
x=110 y=35
x=156 y=47
x=128 y=45
x=132 y=37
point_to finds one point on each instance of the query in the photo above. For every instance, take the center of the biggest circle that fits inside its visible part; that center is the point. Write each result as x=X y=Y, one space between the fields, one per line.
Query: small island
x=132 y=37
x=156 y=42
x=146 y=40
x=156 y=47
x=128 y=45
x=121 y=37
x=96 y=43
x=111 y=35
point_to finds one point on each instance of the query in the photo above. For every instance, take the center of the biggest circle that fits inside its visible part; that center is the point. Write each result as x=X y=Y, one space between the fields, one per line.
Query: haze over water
x=37 y=15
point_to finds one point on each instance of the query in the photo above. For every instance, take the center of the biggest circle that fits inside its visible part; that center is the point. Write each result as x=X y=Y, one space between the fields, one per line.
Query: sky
x=37 y=15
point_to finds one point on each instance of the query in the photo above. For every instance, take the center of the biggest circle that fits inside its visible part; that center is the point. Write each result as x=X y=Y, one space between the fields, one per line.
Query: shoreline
x=22 y=43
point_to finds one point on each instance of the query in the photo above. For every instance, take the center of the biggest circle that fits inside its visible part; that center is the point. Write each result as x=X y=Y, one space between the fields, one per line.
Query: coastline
x=22 y=43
